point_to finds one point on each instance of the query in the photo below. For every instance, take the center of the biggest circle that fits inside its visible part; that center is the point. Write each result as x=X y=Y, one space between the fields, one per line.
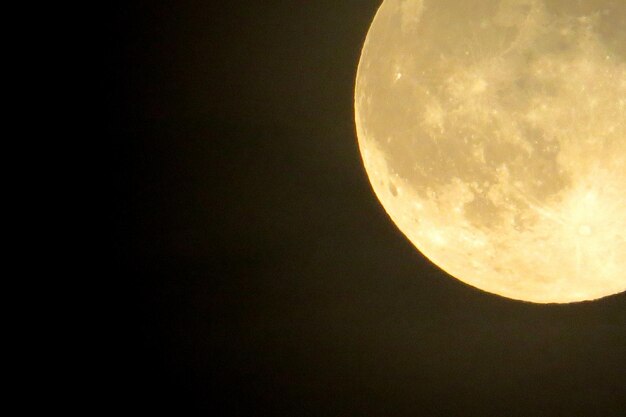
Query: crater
x=585 y=230
x=393 y=189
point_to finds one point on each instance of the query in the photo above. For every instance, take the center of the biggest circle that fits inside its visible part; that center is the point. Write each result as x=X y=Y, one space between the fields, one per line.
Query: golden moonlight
x=494 y=134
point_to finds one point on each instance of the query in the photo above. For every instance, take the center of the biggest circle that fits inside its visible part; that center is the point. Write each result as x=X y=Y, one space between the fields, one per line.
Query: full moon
x=494 y=135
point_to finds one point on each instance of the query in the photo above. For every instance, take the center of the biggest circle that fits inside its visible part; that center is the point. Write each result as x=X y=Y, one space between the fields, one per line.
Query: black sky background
x=257 y=273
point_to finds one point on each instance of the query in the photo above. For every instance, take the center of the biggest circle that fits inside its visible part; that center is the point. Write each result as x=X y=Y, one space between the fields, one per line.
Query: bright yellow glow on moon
x=494 y=134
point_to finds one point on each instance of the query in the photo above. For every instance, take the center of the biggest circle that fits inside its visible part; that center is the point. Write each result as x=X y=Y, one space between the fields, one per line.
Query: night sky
x=257 y=273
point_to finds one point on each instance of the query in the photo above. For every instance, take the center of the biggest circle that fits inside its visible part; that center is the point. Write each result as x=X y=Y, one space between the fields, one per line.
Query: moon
x=493 y=133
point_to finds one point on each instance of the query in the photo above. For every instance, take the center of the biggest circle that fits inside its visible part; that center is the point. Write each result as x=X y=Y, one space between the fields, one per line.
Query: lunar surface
x=494 y=134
